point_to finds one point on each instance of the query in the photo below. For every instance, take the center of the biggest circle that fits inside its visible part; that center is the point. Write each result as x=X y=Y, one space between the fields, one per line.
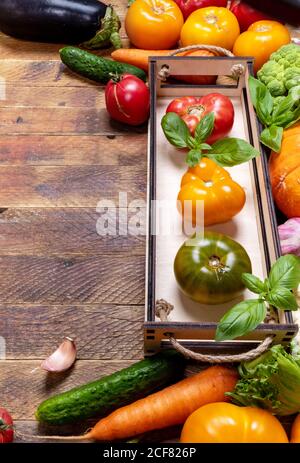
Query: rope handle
x=237 y=70
x=163 y=309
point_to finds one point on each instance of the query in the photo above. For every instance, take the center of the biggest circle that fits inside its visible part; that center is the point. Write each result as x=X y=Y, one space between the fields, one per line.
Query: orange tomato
x=154 y=24
x=222 y=422
x=223 y=198
x=295 y=432
x=260 y=40
x=285 y=173
x=210 y=26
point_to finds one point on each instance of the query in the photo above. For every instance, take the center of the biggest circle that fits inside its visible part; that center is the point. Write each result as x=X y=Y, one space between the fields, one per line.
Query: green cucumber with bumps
x=101 y=397
x=96 y=67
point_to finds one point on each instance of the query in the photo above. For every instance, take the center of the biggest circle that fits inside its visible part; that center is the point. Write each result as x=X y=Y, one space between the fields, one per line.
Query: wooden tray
x=255 y=227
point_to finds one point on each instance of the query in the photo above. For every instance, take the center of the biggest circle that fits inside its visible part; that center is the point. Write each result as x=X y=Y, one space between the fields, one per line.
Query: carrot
x=168 y=407
x=139 y=58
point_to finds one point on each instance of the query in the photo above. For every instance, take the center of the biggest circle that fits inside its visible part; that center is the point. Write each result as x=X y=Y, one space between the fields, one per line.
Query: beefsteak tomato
x=154 y=24
x=128 y=99
x=221 y=422
x=222 y=197
x=246 y=14
x=208 y=269
x=260 y=40
x=285 y=173
x=192 y=109
x=210 y=26
x=188 y=6
x=6 y=427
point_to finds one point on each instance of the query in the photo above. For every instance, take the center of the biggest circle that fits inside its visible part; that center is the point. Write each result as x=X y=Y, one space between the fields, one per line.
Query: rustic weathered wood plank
x=55 y=150
x=60 y=120
x=69 y=186
x=101 y=331
x=53 y=97
x=23 y=385
x=54 y=231
x=102 y=279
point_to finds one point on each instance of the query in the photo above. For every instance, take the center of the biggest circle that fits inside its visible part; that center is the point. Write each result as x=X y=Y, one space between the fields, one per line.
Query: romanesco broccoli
x=282 y=71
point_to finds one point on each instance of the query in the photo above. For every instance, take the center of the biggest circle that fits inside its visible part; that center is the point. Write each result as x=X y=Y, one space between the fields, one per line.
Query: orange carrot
x=168 y=407
x=139 y=58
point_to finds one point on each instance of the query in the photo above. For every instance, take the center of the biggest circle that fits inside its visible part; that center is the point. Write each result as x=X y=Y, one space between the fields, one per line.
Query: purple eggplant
x=88 y=22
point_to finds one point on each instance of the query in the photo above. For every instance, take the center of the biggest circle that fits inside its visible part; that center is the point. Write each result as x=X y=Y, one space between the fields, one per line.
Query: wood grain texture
x=111 y=279
x=69 y=186
x=59 y=155
x=101 y=331
x=61 y=120
x=57 y=150
x=71 y=232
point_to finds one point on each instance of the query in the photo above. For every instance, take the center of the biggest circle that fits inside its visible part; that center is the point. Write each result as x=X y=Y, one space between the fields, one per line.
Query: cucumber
x=95 y=67
x=101 y=397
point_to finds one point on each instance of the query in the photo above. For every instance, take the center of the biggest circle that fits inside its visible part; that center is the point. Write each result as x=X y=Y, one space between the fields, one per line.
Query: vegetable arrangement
x=169 y=407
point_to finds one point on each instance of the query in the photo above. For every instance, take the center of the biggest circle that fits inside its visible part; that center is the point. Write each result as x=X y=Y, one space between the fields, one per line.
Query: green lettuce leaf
x=272 y=382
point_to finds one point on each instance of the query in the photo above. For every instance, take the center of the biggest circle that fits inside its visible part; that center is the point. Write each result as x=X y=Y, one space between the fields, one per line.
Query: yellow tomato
x=211 y=26
x=260 y=40
x=295 y=432
x=154 y=24
x=222 y=422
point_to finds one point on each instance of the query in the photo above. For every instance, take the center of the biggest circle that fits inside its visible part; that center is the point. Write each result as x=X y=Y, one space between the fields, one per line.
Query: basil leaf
x=175 y=130
x=241 y=319
x=272 y=137
x=205 y=146
x=193 y=157
x=283 y=299
x=253 y=283
x=285 y=105
x=264 y=106
x=231 y=152
x=255 y=86
x=285 y=272
x=205 y=127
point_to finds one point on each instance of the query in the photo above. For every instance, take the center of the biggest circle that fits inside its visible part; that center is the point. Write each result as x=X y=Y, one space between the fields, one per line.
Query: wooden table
x=59 y=155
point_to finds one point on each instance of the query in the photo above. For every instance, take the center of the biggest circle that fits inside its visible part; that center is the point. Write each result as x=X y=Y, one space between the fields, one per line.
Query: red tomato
x=246 y=15
x=6 y=427
x=192 y=109
x=128 y=99
x=188 y=6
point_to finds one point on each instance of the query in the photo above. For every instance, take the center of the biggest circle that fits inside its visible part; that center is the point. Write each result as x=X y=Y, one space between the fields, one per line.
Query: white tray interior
x=244 y=227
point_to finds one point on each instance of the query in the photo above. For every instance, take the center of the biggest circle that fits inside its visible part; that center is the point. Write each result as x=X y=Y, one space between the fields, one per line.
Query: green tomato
x=208 y=268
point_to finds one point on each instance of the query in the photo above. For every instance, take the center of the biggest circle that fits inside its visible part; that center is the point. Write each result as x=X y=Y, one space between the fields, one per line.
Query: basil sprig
x=274 y=116
x=276 y=291
x=227 y=152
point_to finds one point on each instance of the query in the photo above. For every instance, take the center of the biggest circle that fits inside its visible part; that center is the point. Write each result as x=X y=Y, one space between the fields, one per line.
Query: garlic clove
x=62 y=359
